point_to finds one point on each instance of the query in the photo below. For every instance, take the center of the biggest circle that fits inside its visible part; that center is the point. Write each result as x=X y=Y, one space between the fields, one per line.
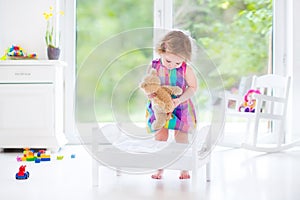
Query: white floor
x=236 y=175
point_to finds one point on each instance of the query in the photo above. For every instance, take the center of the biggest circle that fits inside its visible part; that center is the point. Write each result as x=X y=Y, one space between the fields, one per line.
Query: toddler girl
x=175 y=51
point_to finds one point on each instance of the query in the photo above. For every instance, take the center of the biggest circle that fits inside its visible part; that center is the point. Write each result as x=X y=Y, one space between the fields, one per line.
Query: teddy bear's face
x=150 y=88
x=150 y=84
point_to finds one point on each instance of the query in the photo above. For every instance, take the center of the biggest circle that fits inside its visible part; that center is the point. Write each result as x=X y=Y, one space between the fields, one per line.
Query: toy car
x=22 y=174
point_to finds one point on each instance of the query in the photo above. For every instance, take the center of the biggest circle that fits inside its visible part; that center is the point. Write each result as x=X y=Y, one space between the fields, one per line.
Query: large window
x=104 y=58
x=236 y=35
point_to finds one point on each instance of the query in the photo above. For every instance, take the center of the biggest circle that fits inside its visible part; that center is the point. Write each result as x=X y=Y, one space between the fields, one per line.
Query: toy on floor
x=45 y=157
x=22 y=174
x=60 y=157
x=249 y=101
x=40 y=152
x=19 y=159
x=29 y=155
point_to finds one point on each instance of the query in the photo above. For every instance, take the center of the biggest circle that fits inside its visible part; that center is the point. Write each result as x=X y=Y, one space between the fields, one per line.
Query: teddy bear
x=161 y=100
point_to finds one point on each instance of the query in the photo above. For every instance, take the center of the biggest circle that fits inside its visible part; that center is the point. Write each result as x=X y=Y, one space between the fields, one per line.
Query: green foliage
x=235 y=34
x=97 y=23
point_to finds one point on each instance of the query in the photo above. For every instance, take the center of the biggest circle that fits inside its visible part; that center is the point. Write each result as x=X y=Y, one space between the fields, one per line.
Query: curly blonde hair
x=176 y=42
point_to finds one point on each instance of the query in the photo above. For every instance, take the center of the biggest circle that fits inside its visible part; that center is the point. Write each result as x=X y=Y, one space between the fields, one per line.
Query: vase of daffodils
x=52 y=36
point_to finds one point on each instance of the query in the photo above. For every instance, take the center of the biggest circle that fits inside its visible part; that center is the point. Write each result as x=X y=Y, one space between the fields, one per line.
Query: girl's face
x=171 y=61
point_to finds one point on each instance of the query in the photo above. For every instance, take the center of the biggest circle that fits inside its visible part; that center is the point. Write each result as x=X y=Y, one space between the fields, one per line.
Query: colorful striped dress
x=183 y=116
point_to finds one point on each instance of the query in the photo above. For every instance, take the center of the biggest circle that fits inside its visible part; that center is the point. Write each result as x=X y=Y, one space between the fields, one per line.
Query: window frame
x=163 y=19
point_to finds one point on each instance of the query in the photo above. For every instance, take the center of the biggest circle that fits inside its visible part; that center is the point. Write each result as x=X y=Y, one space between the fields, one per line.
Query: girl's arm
x=192 y=86
x=149 y=68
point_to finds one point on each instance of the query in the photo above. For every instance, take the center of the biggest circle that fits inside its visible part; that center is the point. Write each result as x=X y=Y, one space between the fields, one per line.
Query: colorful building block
x=59 y=157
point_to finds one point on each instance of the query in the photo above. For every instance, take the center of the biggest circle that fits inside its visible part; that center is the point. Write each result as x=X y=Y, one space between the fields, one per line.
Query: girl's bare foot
x=158 y=175
x=184 y=175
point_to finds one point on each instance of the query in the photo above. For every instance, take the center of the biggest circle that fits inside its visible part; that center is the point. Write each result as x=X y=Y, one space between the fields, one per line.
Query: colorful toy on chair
x=249 y=101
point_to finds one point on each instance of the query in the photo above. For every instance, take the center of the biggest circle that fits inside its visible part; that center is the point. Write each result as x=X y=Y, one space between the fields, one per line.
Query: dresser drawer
x=27 y=74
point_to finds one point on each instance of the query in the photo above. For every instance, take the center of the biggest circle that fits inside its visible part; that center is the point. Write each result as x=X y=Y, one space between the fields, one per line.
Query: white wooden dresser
x=32 y=104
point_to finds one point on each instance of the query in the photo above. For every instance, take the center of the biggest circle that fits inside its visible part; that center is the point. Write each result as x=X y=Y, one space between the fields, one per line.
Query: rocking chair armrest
x=232 y=101
x=231 y=96
x=262 y=97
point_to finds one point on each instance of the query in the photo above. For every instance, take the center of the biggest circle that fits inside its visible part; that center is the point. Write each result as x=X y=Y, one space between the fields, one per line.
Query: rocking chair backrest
x=275 y=86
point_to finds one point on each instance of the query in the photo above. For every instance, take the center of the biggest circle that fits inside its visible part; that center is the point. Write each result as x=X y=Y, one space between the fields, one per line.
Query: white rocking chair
x=271 y=106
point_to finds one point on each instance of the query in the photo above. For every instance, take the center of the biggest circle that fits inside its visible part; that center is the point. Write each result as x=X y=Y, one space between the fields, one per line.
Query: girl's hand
x=176 y=102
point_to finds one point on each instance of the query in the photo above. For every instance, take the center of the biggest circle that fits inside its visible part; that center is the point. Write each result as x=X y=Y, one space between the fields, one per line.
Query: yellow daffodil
x=52 y=36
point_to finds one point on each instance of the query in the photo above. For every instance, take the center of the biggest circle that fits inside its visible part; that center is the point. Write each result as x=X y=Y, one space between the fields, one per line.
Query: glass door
x=107 y=33
x=237 y=37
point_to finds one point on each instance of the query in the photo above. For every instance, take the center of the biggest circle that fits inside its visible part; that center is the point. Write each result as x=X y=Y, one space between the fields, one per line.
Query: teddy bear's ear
x=142 y=85
x=153 y=72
